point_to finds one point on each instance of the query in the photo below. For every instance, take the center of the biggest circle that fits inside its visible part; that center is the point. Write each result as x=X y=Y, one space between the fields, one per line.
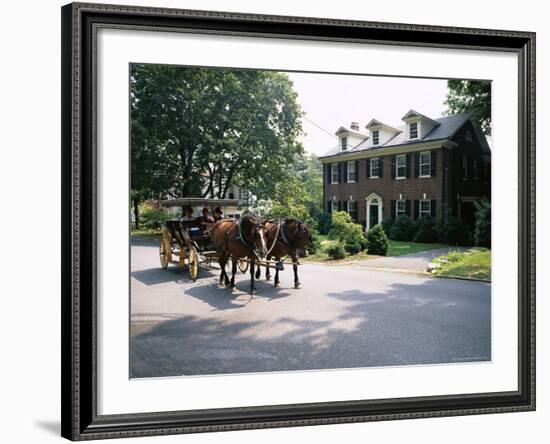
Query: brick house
x=417 y=169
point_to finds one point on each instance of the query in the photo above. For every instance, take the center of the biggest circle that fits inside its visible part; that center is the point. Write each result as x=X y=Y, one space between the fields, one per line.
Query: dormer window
x=344 y=143
x=376 y=137
x=413 y=130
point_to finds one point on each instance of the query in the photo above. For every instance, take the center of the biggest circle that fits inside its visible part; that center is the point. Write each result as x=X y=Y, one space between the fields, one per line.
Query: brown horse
x=236 y=239
x=288 y=237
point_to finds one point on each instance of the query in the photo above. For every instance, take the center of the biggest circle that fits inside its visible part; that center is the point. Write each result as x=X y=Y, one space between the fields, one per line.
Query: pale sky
x=333 y=100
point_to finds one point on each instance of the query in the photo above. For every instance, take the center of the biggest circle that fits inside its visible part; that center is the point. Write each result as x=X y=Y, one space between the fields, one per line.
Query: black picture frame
x=80 y=420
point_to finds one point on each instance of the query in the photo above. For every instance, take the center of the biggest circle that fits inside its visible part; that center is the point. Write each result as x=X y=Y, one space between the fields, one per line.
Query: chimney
x=354 y=126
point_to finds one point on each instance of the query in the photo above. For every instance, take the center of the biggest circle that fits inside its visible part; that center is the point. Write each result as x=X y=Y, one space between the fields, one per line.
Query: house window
x=375 y=137
x=413 y=130
x=351 y=171
x=374 y=168
x=333 y=206
x=344 y=143
x=334 y=172
x=401 y=166
x=425 y=208
x=352 y=209
x=425 y=164
x=474 y=169
x=400 y=208
x=464 y=167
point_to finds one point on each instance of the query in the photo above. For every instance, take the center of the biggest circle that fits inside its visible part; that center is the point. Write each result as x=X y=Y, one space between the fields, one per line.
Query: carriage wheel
x=243 y=265
x=164 y=258
x=193 y=263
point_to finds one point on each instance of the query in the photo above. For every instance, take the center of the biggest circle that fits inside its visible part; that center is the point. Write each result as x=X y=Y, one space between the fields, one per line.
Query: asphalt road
x=342 y=317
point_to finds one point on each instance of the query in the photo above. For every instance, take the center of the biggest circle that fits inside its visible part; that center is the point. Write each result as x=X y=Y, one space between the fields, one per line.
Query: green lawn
x=145 y=233
x=474 y=263
x=395 y=248
x=399 y=248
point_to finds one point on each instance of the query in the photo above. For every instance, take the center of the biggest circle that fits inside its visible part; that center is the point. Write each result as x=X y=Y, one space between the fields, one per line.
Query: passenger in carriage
x=205 y=218
x=188 y=214
x=218 y=214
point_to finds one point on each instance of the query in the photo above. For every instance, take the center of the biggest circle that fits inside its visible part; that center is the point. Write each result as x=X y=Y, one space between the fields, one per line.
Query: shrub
x=386 y=225
x=352 y=248
x=324 y=222
x=152 y=217
x=345 y=231
x=482 y=231
x=377 y=241
x=336 y=251
x=454 y=231
x=402 y=229
x=314 y=243
x=425 y=230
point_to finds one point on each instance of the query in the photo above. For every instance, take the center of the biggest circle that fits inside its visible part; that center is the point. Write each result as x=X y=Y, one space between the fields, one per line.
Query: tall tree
x=471 y=96
x=210 y=128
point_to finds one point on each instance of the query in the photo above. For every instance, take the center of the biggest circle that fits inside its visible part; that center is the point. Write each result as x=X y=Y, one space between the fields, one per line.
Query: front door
x=373 y=215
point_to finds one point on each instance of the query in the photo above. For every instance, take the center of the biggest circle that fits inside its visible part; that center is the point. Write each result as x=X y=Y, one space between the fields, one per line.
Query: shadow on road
x=421 y=323
x=156 y=276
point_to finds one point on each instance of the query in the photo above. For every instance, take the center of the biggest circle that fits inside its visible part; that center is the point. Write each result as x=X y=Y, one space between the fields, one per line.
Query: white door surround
x=372 y=200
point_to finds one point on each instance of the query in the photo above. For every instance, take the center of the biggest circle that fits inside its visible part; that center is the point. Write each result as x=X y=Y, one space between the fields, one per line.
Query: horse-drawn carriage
x=246 y=242
x=188 y=242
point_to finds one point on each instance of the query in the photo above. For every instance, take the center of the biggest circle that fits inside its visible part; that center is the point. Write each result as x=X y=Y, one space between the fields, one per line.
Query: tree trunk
x=136 y=213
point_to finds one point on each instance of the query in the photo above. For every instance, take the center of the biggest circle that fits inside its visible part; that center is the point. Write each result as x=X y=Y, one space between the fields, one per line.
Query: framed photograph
x=278 y=221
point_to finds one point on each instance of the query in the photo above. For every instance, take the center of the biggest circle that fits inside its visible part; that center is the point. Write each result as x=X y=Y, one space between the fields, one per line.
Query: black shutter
x=392 y=216
x=345 y=206
x=408 y=207
x=340 y=172
x=380 y=167
x=367 y=167
x=416 y=208
x=329 y=206
x=356 y=171
x=416 y=164
x=393 y=167
x=433 y=208
x=339 y=205
x=408 y=160
x=433 y=163
x=345 y=170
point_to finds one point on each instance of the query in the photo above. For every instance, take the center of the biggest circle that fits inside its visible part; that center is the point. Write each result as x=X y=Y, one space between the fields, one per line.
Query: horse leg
x=276 y=281
x=267 y=272
x=295 y=268
x=258 y=272
x=252 y=283
x=233 y=272
x=222 y=267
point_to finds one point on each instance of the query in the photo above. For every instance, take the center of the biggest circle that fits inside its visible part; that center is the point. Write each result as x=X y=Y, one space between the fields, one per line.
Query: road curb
x=462 y=278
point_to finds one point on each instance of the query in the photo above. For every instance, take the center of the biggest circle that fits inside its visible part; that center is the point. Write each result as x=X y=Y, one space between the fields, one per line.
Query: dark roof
x=447 y=128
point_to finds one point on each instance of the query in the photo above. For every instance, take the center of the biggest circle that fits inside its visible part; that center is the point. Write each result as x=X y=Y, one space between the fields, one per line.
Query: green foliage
x=482 y=231
x=324 y=222
x=454 y=231
x=377 y=241
x=352 y=247
x=347 y=232
x=222 y=126
x=402 y=229
x=336 y=251
x=314 y=244
x=471 y=96
x=152 y=217
x=387 y=225
x=454 y=256
x=425 y=230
